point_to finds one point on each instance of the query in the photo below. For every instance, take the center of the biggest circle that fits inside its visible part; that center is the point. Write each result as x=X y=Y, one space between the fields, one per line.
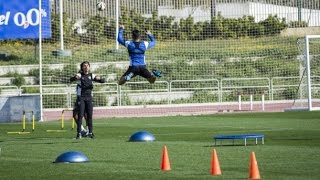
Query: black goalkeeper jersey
x=85 y=85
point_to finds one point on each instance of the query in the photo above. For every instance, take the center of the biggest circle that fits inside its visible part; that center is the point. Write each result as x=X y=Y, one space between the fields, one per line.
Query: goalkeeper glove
x=101 y=80
x=156 y=73
x=73 y=78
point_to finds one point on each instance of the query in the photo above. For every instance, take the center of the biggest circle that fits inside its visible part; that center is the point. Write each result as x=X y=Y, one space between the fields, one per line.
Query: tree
x=18 y=80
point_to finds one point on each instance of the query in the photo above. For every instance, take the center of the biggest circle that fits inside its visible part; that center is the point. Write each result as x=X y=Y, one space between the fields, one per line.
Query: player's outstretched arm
x=120 y=36
x=99 y=79
x=75 y=77
x=152 y=41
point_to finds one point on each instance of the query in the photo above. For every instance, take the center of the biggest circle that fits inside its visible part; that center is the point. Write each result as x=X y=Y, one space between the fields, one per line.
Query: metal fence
x=165 y=93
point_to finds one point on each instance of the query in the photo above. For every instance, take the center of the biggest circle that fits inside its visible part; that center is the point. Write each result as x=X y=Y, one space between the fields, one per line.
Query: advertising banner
x=20 y=19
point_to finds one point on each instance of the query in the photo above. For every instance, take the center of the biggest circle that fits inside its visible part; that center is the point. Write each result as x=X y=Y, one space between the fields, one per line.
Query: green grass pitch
x=291 y=150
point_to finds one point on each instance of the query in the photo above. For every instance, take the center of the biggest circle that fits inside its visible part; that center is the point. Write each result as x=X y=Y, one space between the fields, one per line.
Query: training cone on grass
x=215 y=166
x=254 y=170
x=165 y=163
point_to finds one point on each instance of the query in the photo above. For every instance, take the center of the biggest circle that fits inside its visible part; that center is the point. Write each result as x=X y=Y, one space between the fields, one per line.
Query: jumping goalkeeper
x=136 y=49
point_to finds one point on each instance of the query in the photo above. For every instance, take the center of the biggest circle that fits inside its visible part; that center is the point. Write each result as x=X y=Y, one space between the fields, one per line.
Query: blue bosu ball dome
x=71 y=157
x=142 y=136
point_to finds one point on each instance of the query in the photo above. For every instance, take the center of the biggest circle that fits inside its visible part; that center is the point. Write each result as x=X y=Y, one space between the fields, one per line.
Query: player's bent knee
x=121 y=81
x=151 y=80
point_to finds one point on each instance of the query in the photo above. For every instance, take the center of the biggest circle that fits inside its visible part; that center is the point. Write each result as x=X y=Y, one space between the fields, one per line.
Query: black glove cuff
x=73 y=78
x=102 y=80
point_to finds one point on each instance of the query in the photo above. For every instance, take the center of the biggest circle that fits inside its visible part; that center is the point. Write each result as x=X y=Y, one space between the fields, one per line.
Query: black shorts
x=138 y=70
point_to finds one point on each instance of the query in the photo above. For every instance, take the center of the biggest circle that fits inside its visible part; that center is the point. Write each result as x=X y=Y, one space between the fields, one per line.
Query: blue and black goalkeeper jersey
x=136 y=49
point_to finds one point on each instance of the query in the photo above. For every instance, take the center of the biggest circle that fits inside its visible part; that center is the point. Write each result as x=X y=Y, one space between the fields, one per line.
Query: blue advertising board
x=20 y=19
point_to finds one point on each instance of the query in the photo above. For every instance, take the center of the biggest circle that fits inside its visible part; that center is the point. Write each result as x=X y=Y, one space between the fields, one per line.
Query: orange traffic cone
x=165 y=163
x=215 y=166
x=254 y=170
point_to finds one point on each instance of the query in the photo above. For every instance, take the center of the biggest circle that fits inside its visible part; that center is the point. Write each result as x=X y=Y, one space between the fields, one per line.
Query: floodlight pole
x=40 y=60
x=61 y=24
x=117 y=23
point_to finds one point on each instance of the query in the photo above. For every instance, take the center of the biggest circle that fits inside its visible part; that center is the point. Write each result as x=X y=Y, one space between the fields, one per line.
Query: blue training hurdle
x=243 y=136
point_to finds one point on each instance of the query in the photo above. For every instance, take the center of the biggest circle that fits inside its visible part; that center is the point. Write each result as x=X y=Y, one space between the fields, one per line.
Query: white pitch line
x=262 y=130
x=163 y=125
x=224 y=131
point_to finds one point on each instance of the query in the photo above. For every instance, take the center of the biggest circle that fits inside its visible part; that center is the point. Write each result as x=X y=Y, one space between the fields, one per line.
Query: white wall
x=262 y=11
x=8 y=80
x=232 y=10
x=24 y=69
x=237 y=10
x=21 y=69
x=198 y=13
